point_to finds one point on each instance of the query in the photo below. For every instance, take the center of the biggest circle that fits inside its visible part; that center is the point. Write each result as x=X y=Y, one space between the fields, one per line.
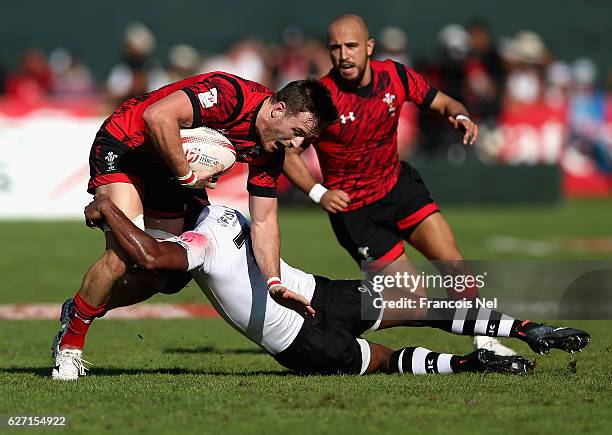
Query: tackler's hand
x=288 y=299
x=93 y=212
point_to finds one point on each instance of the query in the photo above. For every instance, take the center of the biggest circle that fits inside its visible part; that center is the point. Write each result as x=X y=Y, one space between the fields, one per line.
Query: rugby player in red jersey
x=138 y=161
x=374 y=201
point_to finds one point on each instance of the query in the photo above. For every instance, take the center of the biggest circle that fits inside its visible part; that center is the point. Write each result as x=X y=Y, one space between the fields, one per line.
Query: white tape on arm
x=188 y=180
x=317 y=192
x=463 y=117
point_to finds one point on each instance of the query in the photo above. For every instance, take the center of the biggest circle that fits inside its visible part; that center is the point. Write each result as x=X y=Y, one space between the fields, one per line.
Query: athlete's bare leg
x=434 y=239
x=135 y=287
x=138 y=286
x=103 y=274
x=402 y=265
x=379 y=358
x=94 y=294
x=107 y=270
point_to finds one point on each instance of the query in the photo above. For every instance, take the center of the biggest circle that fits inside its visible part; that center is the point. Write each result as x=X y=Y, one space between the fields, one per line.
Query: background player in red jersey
x=375 y=201
x=138 y=161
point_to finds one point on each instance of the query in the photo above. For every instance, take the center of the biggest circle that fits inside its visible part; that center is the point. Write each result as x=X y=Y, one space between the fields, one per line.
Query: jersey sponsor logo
x=346 y=118
x=208 y=98
x=389 y=100
x=110 y=161
x=228 y=219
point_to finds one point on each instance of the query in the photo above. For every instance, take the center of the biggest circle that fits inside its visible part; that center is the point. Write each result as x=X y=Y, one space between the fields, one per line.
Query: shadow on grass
x=45 y=372
x=212 y=349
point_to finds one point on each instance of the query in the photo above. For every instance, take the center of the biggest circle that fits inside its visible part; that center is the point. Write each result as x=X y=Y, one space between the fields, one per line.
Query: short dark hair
x=308 y=96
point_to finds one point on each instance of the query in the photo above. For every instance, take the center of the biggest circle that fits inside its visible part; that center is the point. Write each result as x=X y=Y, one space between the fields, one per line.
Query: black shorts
x=328 y=343
x=111 y=161
x=375 y=231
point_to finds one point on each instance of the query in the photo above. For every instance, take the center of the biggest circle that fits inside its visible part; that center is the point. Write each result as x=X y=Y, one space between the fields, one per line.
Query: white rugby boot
x=493 y=344
x=67 y=308
x=69 y=365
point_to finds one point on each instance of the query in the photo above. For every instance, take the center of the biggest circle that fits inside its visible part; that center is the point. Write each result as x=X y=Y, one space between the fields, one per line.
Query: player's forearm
x=164 y=134
x=447 y=106
x=454 y=108
x=298 y=173
x=141 y=248
x=265 y=235
x=266 y=246
x=138 y=245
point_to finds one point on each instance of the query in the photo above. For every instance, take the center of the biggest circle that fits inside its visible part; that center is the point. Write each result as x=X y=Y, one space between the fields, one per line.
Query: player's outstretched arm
x=296 y=170
x=265 y=235
x=457 y=115
x=141 y=248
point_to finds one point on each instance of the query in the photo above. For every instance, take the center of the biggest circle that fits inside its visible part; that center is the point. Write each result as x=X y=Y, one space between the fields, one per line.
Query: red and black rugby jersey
x=221 y=101
x=358 y=154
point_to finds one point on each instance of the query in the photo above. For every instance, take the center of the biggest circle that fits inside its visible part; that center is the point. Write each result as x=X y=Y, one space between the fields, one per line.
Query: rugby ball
x=204 y=147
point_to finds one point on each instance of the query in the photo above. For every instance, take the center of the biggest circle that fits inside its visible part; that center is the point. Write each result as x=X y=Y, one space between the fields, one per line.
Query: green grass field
x=200 y=376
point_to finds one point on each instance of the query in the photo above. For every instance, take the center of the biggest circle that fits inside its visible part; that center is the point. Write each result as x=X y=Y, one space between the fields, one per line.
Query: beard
x=355 y=81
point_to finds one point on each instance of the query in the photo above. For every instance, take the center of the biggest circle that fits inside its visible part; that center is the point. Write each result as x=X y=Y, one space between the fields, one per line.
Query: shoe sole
x=513 y=365
x=570 y=343
x=518 y=366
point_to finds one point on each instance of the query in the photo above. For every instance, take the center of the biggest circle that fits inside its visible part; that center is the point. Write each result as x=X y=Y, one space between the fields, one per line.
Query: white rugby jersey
x=222 y=262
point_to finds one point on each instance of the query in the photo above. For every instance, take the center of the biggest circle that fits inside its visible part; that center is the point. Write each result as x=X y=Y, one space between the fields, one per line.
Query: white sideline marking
x=142 y=311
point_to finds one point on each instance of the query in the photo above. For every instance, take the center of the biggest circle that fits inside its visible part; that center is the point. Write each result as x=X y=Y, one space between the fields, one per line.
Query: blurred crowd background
x=538 y=83
x=495 y=76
